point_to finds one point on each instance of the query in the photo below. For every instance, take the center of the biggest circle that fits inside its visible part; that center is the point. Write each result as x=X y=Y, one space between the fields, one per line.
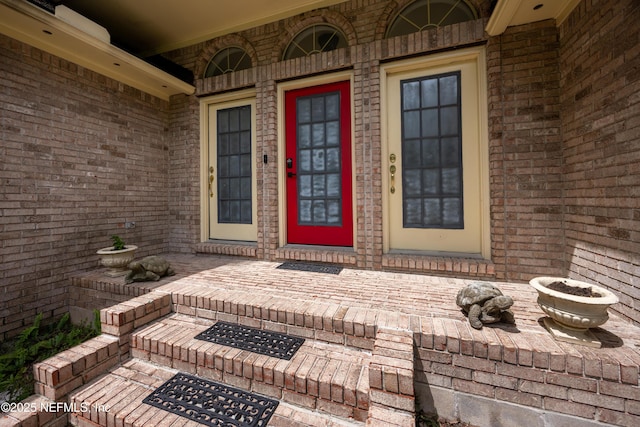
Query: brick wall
x=183 y=177
x=362 y=23
x=80 y=154
x=525 y=152
x=525 y=138
x=600 y=55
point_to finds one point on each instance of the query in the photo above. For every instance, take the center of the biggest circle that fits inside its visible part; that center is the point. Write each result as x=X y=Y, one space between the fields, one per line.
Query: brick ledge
x=440 y=265
x=334 y=255
x=225 y=247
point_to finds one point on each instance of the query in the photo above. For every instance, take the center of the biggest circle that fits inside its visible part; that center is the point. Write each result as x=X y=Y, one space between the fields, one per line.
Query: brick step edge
x=58 y=375
x=391 y=379
x=36 y=410
x=116 y=400
x=321 y=376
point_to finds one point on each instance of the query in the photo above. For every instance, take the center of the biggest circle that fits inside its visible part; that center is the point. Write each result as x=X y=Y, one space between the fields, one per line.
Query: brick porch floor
x=452 y=368
x=401 y=293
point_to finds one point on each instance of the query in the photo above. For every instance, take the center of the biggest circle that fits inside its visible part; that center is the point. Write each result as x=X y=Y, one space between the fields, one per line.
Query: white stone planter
x=571 y=316
x=117 y=261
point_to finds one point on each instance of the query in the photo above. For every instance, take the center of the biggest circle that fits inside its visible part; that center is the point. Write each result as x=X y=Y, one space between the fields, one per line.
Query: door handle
x=291 y=175
x=211 y=178
x=392 y=169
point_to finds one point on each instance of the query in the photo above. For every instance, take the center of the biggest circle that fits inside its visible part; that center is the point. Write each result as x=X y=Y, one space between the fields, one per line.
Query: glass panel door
x=231 y=171
x=433 y=164
x=318 y=165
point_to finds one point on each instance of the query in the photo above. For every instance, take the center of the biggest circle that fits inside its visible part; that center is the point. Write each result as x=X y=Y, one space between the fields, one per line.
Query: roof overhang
x=509 y=13
x=86 y=44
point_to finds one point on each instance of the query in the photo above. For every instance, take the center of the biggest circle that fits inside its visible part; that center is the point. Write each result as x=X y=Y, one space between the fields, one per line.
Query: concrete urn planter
x=117 y=261
x=571 y=316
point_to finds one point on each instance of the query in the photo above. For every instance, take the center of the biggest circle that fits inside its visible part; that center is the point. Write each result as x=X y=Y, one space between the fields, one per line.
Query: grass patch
x=35 y=344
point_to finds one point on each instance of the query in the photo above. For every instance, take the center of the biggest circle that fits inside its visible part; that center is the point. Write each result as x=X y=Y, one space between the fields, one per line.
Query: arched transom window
x=228 y=60
x=424 y=14
x=315 y=39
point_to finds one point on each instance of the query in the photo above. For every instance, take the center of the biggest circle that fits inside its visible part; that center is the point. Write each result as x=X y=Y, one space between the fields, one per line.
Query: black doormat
x=255 y=340
x=211 y=403
x=310 y=267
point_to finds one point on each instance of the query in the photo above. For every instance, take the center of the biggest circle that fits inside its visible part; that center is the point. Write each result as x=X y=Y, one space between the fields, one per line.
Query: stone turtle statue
x=149 y=268
x=484 y=303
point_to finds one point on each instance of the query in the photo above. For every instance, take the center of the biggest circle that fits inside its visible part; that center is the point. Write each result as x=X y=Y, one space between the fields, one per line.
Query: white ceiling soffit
x=86 y=44
x=509 y=13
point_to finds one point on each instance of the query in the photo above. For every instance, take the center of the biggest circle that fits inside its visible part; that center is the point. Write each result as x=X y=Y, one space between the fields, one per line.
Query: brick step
x=115 y=399
x=321 y=376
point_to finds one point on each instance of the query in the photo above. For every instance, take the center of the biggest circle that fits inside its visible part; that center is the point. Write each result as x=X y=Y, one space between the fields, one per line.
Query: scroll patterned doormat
x=310 y=267
x=255 y=340
x=211 y=403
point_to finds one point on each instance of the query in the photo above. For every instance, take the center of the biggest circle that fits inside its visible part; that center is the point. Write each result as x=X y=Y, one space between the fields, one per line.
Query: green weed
x=35 y=344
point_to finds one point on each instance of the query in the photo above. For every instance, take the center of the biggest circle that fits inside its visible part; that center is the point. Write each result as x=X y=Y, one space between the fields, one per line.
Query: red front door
x=318 y=165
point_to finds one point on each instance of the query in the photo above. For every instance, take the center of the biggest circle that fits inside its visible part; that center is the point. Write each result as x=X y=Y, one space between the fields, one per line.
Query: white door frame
x=244 y=97
x=442 y=61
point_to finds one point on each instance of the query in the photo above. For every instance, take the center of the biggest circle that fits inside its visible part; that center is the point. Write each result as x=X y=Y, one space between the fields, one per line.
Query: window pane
x=412 y=182
x=412 y=212
x=432 y=215
x=411 y=96
x=451 y=181
x=333 y=212
x=234 y=171
x=304 y=186
x=304 y=161
x=332 y=133
x=430 y=122
x=315 y=39
x=411 y=124
x=421 y=15
x=333 y=107
x=304 y=136
x=429 y=93
x=318 y=160
x=319 y=166
x=304 y=110
x=228 y=60
x=431 y=182
x=333 y=159
x=317 y=109
x=448 y=90
x=412 y=152
x=319 y=188
x=449 y=121
x=318 y=135
x=450 y=151
x=334 y=185
x=452 y=211
x=431 y=153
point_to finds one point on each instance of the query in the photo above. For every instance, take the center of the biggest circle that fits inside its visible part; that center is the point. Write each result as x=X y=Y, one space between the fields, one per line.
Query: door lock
x=290 y=166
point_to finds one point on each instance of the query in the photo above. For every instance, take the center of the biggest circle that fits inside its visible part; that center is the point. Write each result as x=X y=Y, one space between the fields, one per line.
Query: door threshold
x=315 y=253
